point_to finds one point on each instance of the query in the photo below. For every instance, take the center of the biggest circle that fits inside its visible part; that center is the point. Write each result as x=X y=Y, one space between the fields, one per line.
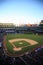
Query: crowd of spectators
x=33 y=58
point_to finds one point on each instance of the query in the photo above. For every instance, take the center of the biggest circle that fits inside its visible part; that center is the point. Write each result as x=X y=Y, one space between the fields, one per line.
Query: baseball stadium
x=21 y=32
x=20 y=42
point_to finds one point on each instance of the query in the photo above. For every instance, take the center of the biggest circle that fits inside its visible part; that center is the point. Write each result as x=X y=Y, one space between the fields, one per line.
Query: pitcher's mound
x=17 y=49
x=20 y=43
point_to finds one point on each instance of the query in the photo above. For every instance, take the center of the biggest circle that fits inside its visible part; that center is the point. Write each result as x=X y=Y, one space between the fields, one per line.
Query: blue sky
x=21 y=11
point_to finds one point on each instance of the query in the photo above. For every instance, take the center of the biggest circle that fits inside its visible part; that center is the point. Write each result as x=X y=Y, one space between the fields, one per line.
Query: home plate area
x=17 y=49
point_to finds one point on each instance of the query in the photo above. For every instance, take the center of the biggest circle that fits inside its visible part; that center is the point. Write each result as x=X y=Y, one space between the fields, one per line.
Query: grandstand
x=6 y=25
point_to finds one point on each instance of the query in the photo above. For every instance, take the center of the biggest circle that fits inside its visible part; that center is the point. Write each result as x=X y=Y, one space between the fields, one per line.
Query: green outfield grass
x=37 y=38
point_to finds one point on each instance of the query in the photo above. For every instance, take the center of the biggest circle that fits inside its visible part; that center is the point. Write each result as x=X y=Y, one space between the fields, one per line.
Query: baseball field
x=20 y=44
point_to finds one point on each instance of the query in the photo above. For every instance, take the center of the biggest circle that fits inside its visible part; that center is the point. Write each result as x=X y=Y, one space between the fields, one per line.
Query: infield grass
x=21 y=44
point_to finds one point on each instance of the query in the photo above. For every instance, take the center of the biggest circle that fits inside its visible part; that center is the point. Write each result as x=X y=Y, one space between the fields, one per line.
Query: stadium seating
x=34 y=58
